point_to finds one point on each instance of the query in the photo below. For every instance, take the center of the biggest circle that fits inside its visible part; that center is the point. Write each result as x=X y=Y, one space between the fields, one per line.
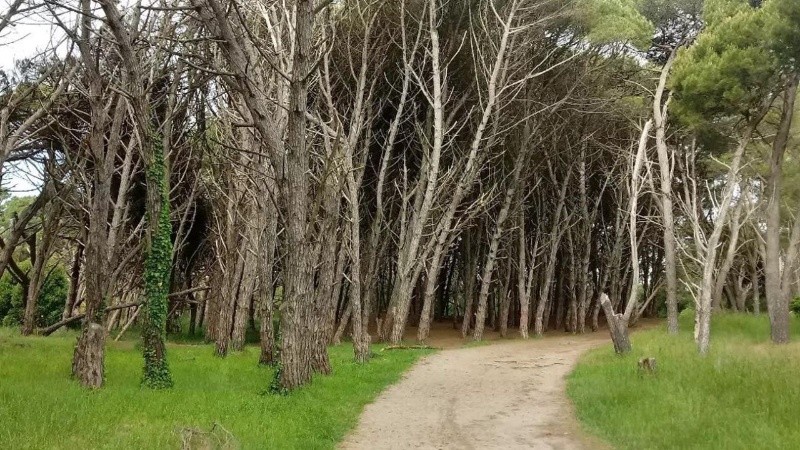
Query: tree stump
x=647 y=366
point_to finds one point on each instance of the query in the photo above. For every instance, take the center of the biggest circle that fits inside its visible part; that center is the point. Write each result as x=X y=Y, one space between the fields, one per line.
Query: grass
x=743 y=395
x=41 y=407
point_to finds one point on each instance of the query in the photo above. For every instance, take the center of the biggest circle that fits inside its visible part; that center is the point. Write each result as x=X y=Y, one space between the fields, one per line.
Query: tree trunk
x=617 y=326
x=522 y=282
x=777 y=297
x=665 y=172
x=469 y=284
x=266 y=288
x=555 y=238
x=88 y=364
x=297 y=316
x=158 y=268
x=74 y=277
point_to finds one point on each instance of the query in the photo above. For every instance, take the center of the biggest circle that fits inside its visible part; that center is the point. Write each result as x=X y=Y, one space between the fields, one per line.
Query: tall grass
x=41 y=407
x=744 y=395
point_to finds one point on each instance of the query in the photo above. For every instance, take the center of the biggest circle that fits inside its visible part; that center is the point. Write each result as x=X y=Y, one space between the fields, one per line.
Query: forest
x=303 y=175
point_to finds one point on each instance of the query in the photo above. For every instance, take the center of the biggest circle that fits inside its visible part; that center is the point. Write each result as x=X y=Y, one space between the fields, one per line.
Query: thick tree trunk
x=297 y=315
x=88 y=364
x=777 y=297
x=158 y=269
x=88 y=359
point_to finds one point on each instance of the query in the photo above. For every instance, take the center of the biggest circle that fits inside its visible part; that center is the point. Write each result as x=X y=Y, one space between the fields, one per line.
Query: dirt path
x=503 y=395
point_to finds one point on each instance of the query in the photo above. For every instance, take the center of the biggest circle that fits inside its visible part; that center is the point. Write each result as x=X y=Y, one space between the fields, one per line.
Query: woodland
x=296 y=174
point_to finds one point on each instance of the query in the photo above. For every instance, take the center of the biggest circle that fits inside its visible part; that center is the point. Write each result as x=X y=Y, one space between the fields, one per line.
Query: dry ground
x=508 y=394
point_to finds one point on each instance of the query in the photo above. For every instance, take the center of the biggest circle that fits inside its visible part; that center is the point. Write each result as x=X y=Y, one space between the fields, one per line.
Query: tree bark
x=617 y=326
x=777 y=297
x=665 y=194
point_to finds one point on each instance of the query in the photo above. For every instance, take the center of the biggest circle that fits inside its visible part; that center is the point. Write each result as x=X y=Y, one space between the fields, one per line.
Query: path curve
x=505 y=395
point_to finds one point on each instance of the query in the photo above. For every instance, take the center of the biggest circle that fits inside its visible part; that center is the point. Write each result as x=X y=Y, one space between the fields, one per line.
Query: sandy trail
x=504 y=395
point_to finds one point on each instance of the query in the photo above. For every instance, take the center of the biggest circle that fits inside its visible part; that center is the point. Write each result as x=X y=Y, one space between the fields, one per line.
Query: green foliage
x=158 y=267
x=11 y=207
x=785 y=32
x=740 y=396
x=665 y=12
x=737 y=61
x=614 y=21
x=685 y=302
x=49 y=305
x=41 y=407
x=795 y=305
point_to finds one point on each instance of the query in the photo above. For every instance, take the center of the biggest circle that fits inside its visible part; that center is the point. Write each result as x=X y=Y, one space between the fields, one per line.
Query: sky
x=22 y=39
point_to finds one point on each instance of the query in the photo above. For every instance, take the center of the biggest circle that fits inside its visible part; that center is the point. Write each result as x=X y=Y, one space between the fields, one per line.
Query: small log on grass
x=647 y=366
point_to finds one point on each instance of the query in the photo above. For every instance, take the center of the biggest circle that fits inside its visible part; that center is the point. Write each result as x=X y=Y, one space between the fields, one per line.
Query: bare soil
x=507 y=394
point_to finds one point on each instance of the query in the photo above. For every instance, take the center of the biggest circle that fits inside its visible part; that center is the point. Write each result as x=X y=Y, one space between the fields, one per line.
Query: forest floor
x=510 y=394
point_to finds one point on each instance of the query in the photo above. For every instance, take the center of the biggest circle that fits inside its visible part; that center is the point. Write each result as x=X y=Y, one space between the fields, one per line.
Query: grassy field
x=217 y=403
x=744 y=395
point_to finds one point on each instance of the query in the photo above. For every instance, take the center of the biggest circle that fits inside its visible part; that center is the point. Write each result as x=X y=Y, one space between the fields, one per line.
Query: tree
x=732 y=71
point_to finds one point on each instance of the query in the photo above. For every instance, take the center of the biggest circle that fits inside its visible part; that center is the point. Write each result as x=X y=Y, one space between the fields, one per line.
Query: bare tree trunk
x=469 y=285
x=395 y=321
x=777 y=297
x=617 y=326
x=505 y=303
x=702 y=326
x=556 y=231
x=88 y=363
x=488 y=268
x=266 y=289
x=618 y=323
x=665 y=172
x=522 y=273
x=727 y=263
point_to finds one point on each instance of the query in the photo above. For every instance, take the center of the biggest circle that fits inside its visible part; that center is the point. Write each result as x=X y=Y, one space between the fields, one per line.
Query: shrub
x=795 y=305
x=49 y=305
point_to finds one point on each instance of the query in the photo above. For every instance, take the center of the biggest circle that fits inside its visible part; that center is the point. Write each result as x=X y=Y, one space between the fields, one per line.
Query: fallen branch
x=409 y=347
x=54 y=327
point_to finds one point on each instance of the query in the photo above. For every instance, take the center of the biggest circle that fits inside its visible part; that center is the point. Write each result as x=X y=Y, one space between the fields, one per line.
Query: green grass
x=744 y=395
x=41 y=407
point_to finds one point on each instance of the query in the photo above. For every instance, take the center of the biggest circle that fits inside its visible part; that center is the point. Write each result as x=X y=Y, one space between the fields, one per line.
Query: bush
x=49 y=305
x=795 y=305
x=685 y=301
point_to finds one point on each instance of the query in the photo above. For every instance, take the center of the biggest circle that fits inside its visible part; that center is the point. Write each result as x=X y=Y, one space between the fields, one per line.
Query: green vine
x=275 y=386
x=158 y=266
